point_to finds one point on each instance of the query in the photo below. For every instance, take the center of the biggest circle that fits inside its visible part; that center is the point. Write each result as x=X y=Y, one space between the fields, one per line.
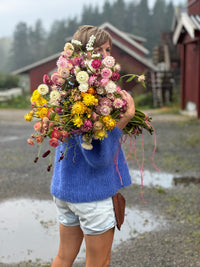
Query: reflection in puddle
x=161 y=179
x=29 y=230
x=9 y=138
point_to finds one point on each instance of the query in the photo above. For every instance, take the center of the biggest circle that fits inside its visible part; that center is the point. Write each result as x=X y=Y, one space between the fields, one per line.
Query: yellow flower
x=89 y=100
x=42 y=112
x=28 y=117
x=101 y=134
x=105 y=119
x=77 y=121
x=57 y=117
x=109 y=122
x=68 y=46
x=78 y=108
x=35 y=95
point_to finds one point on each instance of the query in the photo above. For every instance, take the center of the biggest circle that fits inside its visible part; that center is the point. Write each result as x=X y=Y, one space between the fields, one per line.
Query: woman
x=84 y=183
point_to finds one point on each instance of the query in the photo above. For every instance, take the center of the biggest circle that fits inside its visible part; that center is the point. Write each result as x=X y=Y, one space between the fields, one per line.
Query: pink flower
x=108 y=61
x=96 y=63
x=33 y=104
x=64 y=73
x=87 y=125
x=38 y=126
x=62 y=62
x=92 y=80
x=115 y=76
x=53 y=142
x=104 y=82
x=118 y=103
x=105 y=101
x=117 y=68
x=106 y=73
x=55 y=134
x=47 y=80
x=39 y=139
x=95 y=116
x=105 y=110
x=118 y=89
x=64 y=134
x=30 y=142
x=54 y=77
x=77 y=60
x=60 y=81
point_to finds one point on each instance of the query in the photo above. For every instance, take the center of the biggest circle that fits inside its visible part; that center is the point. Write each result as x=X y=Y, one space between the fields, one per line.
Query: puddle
x=159 y=179
x=9 y=138
x=29 y=230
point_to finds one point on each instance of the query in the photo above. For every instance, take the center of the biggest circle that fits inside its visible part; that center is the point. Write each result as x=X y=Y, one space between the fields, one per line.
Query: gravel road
x=178 y=153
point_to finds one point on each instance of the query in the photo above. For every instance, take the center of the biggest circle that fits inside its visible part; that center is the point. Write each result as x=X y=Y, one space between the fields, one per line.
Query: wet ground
x=163 y=232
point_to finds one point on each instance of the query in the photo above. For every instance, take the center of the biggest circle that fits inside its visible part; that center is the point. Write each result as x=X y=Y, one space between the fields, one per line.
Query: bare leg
x=98 y=249
x=70 y=242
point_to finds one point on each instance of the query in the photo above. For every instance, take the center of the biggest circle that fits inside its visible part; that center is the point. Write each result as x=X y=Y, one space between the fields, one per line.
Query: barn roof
x=131 y=39
x=190 y=23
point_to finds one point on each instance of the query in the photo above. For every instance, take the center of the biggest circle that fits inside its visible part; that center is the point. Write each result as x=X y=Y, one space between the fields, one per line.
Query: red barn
x=187 y=37
x=128 y=50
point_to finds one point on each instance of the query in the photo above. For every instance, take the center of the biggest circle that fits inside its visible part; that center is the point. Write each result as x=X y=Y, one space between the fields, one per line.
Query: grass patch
x=19 y=102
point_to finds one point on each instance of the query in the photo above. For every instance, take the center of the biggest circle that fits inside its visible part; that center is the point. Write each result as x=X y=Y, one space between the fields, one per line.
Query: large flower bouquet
x=82 y=97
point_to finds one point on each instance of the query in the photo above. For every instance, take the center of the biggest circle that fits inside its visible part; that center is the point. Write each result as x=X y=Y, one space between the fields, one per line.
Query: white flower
x=83 y=87
x=43 y=89
x=110 y=87
x=96 y=55
x=109 y=61
x=54 y=95
x=87 y=146
x=141 y=78
x=88 y=64
x=89 y=45
x=100 y=91
x=82 y=77
x=76 y=42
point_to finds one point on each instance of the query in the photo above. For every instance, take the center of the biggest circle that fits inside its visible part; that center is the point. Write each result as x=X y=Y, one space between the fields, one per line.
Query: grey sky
x=14 y=11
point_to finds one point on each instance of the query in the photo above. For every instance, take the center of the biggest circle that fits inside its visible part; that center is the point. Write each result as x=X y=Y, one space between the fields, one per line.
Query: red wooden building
x=187 y=37
x=128 y=50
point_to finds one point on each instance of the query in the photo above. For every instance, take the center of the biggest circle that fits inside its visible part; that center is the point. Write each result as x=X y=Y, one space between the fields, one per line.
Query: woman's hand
x=130 y=112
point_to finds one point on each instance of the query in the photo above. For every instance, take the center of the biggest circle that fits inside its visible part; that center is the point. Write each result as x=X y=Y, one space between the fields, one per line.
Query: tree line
x=32 y=43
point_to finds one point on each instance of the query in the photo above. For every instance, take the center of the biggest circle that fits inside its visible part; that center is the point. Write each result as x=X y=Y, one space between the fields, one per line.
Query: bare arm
x=130 y=112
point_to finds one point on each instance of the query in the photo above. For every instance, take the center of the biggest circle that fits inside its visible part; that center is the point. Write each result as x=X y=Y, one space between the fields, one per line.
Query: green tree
x=169 y=16
x=142 y=19
x=118 y=14
x=57 y=36
x=158 y=19
x=20 y=51
x=37 y=40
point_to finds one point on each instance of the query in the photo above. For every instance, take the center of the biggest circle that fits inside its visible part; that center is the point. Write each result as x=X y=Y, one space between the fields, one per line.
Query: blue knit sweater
x=90 y=175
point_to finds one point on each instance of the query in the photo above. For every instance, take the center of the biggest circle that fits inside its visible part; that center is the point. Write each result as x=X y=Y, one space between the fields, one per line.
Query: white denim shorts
x=93 y=217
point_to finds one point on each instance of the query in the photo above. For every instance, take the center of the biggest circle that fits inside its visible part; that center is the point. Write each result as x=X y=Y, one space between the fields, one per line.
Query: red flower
x=96 y=63
x=115 y=76
x=53 y=142
x=47 y=80
x=55 y=134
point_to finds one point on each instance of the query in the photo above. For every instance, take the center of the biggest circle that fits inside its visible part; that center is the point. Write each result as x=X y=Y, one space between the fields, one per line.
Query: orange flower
x=91 y=91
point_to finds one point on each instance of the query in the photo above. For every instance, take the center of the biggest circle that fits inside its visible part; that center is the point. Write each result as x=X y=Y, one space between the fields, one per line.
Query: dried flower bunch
x=82 y=97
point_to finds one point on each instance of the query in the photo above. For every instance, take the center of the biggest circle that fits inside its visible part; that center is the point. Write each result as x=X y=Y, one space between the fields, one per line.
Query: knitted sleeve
x=104 y=151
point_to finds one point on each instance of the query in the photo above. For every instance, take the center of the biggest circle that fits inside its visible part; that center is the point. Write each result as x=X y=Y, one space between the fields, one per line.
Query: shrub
x=8 y=81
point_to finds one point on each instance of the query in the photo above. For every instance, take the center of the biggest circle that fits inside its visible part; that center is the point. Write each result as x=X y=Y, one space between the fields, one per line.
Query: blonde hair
x=84 y=33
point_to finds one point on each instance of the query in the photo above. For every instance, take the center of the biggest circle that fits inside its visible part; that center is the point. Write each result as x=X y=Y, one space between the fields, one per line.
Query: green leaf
x=131 y=78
